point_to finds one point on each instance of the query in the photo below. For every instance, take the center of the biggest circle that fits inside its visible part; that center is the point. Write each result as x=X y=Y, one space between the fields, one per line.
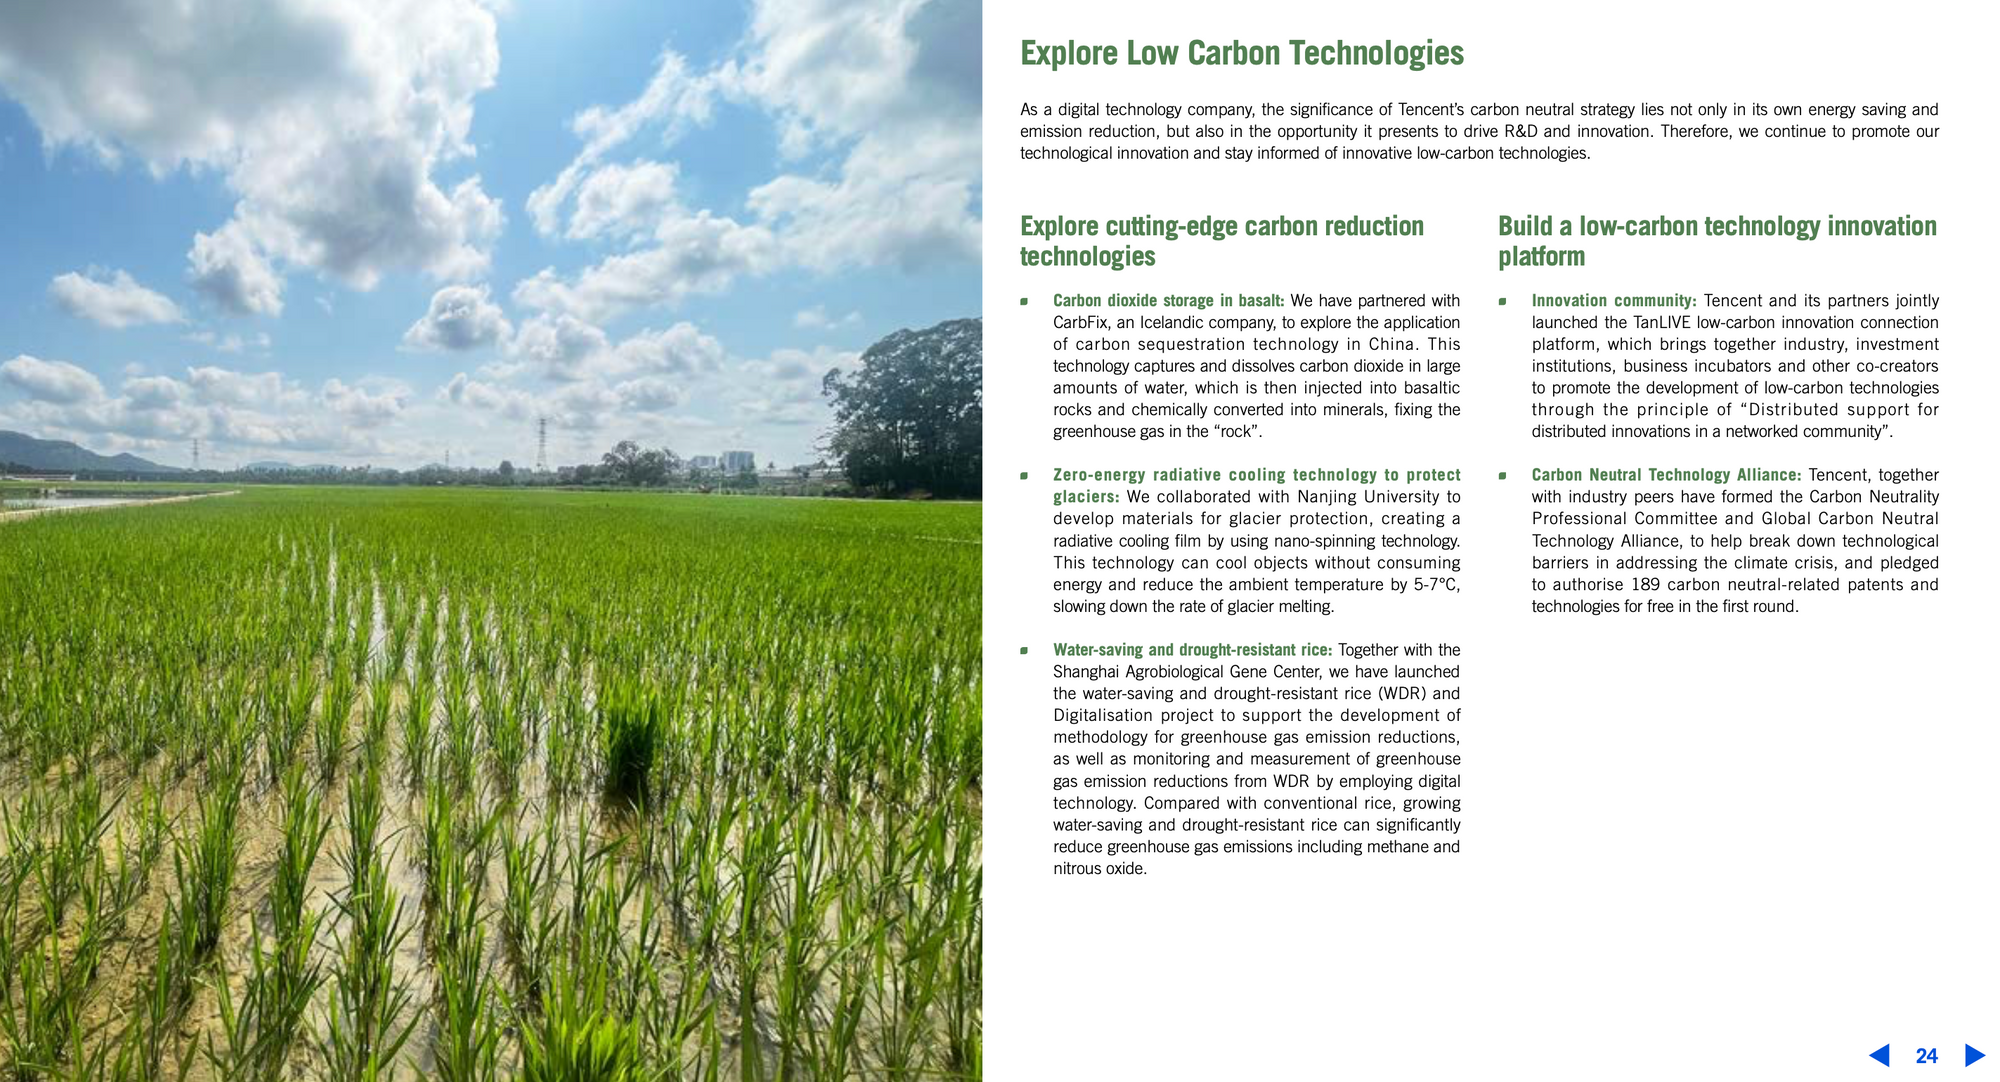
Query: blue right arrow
x=1973 y=1055
x=1880 y=1055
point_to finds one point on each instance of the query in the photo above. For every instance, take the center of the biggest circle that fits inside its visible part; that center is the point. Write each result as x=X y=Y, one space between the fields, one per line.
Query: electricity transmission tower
x=542 y=445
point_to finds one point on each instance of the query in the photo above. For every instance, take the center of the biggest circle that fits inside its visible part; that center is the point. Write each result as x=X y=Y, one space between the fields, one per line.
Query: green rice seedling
x=417 y=727
x=469 y=1021
x=258 y=1033
x=804 y=904
x=43 y=1027
x=205 y=867
x=962 y=996
x=578 y=1038
x=909 y=952
x=566 y=744
x=833 y=1043
x=461 y=733
x=759 y=857
x=528 y=924
x=456 y=849
x=381 y=708
x=75 y=851
x=814 y=668
x=368 y=1015
x=632 y=728
x=284 y=975
x=364 y=826
x=506 y=735
x=330 y=724
x=290 y=721
x=671 y=1019
x=132 y=866
x=305 y=829
x=396 y=646
x=437 y=840
x=164 y=999
x=710 y=891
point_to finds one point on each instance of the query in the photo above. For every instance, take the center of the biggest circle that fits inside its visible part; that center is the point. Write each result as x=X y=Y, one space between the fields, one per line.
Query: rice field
x=371 y=784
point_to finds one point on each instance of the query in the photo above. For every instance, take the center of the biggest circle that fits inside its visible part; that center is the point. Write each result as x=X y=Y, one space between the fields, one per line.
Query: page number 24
x=1927 y=1055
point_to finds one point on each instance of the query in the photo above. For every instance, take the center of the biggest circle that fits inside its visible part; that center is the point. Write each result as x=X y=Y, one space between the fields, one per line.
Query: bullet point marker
x=1503 y=301
x=1024 y=649
x=1024 y=475
x=1503 y=475
x=1024 y=300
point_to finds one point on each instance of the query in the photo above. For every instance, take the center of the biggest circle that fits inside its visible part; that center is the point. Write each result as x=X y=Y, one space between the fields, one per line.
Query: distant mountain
x=64 y=456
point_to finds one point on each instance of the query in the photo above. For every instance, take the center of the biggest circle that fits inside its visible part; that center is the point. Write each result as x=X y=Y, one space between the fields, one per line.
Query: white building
x=738 y=461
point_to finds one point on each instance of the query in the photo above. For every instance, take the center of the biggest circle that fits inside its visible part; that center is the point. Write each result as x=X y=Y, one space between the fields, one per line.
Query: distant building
x=738 y=461
x=705 y=462
x=37 y=475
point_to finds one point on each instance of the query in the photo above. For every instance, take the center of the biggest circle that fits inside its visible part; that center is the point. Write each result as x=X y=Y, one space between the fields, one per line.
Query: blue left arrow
x=1880 y=1055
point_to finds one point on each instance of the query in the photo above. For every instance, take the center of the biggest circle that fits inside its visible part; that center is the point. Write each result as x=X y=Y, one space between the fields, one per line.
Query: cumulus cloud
x=681 y=350
x=582 y=406
x=674 y=96
x=602 y=382
x=51 y=381
x=785 y=387
x=624 y=200
x=650 y=393
x=360 y=407
x=226 y=268
x=155 y=392
x=889 y=87
x=559 y=345
x=460 y=318
x=262 y=410
x=492 y=397
x=326 y=118
x=698 y=253
x=116 y=301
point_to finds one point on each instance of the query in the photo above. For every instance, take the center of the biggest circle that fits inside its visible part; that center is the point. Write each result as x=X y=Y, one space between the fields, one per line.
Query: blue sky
x=369 y=232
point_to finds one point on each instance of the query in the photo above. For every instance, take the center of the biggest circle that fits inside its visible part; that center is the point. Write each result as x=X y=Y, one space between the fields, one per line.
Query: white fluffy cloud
x=583 y=406
x=226 y=268
x=116 y=301
x=360 y=407
x=327 y=119
x=460 y=318
x=264 y=411
x=624 y=200
x=567 y=349
x=697 y=253
x=785 y=387
x=673 y=97
x=559 y=346
x=51 y=381
x=889 y=87
x=680 y=350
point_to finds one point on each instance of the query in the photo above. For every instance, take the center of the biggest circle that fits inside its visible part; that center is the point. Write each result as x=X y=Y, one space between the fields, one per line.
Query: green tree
x=909 y=418
x=622 y=461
